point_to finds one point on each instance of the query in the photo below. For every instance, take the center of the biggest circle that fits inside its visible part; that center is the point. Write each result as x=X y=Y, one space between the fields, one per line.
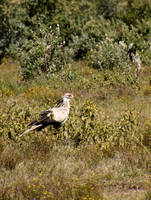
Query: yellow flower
x=58 y=183
x=29 y=186
x=45 y=192
x=35 y=179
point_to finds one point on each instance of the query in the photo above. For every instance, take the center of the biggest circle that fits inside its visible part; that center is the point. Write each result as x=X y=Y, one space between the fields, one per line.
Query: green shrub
x=43 y=53
x=5 y=34
x=136 y=38
x=86 y=128
x=135 y=11
x=79 y=29
x=108 y=54
x=83 y=127
x=107 y=8
x=91 y=34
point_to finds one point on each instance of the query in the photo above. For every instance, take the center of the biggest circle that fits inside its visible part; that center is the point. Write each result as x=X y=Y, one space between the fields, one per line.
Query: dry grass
x=71 y=173
x=38 y=167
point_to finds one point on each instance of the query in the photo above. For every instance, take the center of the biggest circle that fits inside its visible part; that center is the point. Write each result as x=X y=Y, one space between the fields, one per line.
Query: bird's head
x=68 y=96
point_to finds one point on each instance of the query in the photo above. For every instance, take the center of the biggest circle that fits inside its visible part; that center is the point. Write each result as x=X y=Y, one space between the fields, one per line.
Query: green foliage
x=107 y=8
x=86 y=129
x=91 y=34
x=83 y=127
x=46 y=35
x=105 y=141
x=42 y=53
x=136 y=10
x=108 y=54
x=135 y=38
x=5 y=34
x=124 y=133
x=13 y=120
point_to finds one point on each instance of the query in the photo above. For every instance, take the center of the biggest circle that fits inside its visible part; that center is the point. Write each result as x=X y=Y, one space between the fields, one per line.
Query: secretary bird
x=54 y=116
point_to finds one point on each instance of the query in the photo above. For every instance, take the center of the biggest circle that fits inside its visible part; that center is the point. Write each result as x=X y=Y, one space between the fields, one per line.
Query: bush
x=108 y=54
x=107 y=8
x=136 y=38
x=91 y=34
x=5 y=34
x=83 y=127
x=42 y=53
x=136 y=10
x=84 y=27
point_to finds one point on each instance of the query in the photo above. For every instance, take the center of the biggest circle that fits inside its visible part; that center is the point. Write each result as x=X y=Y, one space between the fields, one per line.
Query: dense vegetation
x=45 y=35
x=102 y=152
x=100 y=50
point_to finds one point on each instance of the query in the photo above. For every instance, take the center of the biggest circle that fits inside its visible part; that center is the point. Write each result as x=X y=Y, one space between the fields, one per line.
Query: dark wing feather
x=42 y=119
x=45 y=119
x=59 y=103
x=44 y=114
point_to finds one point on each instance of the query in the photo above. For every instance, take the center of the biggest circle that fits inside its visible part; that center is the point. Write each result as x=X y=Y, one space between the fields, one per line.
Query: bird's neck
x=66 y=103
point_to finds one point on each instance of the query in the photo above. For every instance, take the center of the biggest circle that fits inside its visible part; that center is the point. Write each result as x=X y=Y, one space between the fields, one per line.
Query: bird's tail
x=33 y=127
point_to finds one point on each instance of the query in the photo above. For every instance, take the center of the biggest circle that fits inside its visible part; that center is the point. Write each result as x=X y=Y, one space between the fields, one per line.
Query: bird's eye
x=70 y=95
